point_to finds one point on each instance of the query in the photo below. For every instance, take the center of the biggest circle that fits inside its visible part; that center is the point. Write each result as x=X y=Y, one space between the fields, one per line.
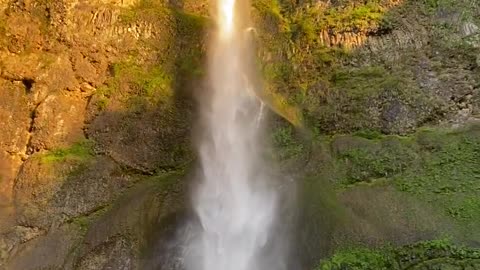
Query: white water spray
x=235 y=202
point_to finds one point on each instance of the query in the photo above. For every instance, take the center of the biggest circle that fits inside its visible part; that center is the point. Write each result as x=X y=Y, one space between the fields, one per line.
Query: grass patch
x=368 y=134
x=78 y=152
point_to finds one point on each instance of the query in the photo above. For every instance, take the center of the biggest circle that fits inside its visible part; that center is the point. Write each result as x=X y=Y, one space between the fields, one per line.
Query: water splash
x=235 y=200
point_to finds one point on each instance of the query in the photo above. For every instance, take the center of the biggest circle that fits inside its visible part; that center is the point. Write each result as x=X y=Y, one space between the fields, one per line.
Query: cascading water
x=235 y=201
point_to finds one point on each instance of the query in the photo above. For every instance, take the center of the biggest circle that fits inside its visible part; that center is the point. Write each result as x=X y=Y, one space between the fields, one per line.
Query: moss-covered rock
x=374 y=190
x=355 y=65
x=437 y=254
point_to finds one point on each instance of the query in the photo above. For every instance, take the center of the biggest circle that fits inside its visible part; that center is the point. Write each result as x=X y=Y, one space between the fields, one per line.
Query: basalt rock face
x=96 y=101
x=69 y=149
x=404 y=63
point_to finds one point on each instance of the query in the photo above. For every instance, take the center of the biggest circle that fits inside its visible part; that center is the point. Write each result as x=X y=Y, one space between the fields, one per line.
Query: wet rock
x=398 y=118
x=91 y=189
x=12 y=239
x=36 y=184
x=137 y=222
x=115 y=254
x=145 y=142
x=47 y=251
x=49 y=195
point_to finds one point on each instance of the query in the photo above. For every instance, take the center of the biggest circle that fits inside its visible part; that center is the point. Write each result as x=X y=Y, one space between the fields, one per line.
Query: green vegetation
x=368 y=134
x=449 y=174
x=364 y=82
x=384 y=159
x=357 y=259
x=466 y=7
x=145 y=10
x=78 y=152
x=284 y=141
x=437 y=166
x=429 y=176
x=190 y=61
x=144 y=85
x=434 y=166
x=83 y=222
x=310 y=75
x=140 y=84
x=307 y=61
x=366 y=16
x=437 y=254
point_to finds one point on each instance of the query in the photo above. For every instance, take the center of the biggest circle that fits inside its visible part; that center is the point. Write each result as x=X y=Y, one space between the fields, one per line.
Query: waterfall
x=235 y=200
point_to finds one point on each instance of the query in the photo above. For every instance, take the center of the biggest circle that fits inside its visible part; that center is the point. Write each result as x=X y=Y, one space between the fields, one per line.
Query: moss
x=435 y=254
x=366 y=16
x=368 y=134
x=284 y=141
x=449 y=175
x=385 y=158
x=41 y=13
x=434 y=6
x=358 y=258
x=190 y=61
x=78 y=152
x=429 y=176
x=146 y=84
x=333 y=86
x=148 y=10
x=148 y=81
x=141 y=84
x=321 y=214
x=435 y=166
x=271 y=11
x=310 y=77
x=84 y=222
x=364 y=82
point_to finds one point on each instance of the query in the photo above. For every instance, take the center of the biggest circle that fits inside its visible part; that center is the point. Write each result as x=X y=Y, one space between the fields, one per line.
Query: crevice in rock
x=87 y=121
x=35 y=232
x=88 y=214
x=28 y=83
x=89 y=100
x=137 y=169
x=129 y=168
x=31 y=129
x=11 y=153
x=29 y=149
